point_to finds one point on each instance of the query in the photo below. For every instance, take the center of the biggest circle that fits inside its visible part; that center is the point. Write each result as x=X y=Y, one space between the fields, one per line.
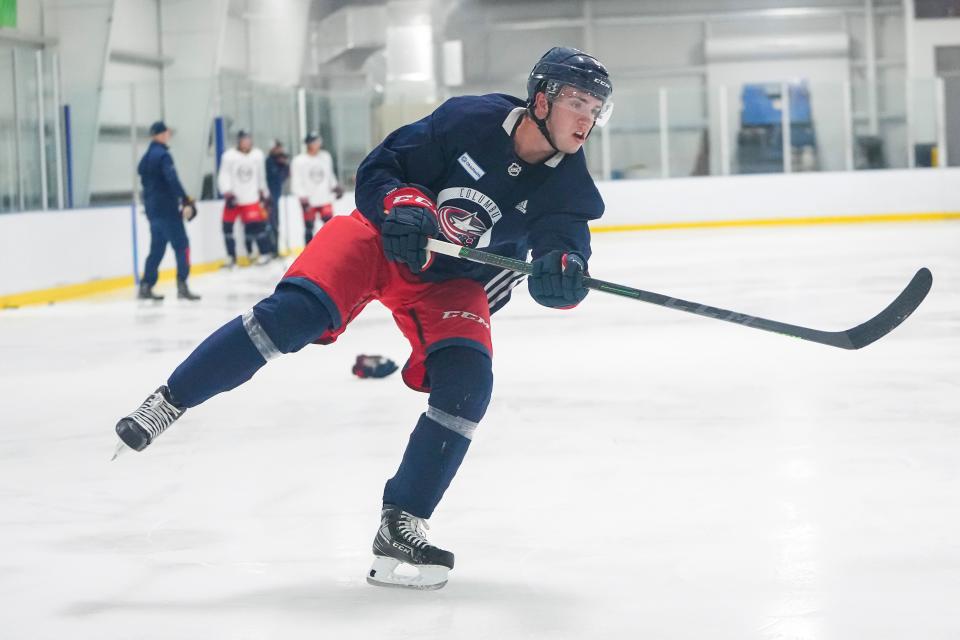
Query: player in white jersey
x=243 y=183
x=313 y=181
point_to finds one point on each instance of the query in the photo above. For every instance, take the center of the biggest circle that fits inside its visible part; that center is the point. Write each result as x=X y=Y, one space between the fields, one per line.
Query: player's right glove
x=410 y=219
x=557 y=280
x=304 y=204
x=230 y=200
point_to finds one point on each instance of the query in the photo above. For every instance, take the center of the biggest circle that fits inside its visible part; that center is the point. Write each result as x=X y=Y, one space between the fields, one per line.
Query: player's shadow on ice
x=517 y=604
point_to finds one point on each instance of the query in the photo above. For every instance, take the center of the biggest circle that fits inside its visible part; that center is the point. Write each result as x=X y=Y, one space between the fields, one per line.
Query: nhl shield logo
x=514 y=169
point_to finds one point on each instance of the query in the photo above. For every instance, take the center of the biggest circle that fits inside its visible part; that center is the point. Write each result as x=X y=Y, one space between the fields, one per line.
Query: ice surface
x=641 y=472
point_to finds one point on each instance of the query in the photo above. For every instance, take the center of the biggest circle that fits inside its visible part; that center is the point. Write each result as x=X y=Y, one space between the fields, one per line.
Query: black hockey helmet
x=568 y=66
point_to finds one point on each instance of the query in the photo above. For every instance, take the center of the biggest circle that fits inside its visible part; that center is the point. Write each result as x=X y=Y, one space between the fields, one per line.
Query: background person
x=314 y=183
x=163 y=198
x=242 y=181
x=278 y=170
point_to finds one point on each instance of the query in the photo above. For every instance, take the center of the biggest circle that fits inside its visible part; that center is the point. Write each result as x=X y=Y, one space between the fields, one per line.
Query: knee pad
x=461 y=382
x=291 y=318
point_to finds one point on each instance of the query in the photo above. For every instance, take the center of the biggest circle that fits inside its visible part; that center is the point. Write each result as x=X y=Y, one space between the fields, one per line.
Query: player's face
x=313 y=147
x=245 y=144
x=572 y=118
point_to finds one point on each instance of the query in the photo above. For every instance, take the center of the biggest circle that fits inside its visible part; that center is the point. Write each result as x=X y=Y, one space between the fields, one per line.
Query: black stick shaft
x=855 y=338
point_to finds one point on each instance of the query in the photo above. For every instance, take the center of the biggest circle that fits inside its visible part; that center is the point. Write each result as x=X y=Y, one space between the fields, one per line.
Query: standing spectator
x=278 y=170
x=242 y=181
x=313 y=181
x=166 y=204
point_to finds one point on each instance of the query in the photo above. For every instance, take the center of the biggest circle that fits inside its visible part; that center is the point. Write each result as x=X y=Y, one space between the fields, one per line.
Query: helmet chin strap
x=542 y=124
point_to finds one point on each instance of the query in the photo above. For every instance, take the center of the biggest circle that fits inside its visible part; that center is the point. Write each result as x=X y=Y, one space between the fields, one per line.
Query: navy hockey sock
x=285 y=322
x=230 y=240
x=461 y=383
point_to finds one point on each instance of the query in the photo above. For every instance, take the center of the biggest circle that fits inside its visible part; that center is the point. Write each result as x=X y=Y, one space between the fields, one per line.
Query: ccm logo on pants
x=466 y=315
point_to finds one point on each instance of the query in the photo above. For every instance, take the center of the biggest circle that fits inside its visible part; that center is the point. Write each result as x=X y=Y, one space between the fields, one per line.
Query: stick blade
x=891 y=317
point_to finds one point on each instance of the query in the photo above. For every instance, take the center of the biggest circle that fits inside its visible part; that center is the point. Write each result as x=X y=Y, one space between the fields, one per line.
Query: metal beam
x=713 y=16
x=12 y=36
x=140 y=59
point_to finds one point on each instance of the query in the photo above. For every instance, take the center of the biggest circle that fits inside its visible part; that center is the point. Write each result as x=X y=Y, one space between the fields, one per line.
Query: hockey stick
x=855 y=338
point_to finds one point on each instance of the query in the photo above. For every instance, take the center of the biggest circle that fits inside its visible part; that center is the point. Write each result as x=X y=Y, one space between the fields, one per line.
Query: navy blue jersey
x=162 y=190
x=487 y=198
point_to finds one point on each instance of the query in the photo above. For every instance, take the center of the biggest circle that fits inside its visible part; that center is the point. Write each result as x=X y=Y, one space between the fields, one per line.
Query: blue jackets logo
x=460 y=226
x=467 y=216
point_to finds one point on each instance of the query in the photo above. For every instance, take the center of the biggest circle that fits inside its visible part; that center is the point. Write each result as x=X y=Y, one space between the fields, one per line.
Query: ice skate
x=146 y=293
x=403 y=557
x=229 y=264
x=184 y=293
x=152 y=418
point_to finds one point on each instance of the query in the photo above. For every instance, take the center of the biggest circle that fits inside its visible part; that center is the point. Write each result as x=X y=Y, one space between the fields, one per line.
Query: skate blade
x=120 y=449
x=429 y=577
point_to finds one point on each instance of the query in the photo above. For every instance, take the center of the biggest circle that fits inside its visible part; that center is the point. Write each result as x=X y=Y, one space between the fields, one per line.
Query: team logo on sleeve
x=467 y=216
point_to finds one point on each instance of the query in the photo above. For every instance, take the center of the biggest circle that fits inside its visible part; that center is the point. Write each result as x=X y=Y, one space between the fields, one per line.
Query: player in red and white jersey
x=315 y=184
x=243 y=183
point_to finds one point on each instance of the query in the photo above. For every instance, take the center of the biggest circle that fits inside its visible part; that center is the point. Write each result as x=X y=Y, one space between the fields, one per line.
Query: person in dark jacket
x=166 y=204
x=278 y=170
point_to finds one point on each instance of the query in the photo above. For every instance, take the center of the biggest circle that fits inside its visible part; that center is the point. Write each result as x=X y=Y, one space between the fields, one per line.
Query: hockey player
x=164 y=201
x=314 y=183
x=242 y=181
x=278 y=170
x=492 y=172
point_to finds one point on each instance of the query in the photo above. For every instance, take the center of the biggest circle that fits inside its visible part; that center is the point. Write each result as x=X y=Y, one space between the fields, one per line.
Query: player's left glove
x=373 y=366
x=338 y=192
x=557 y=280
x=188 y=208
x=410 y=219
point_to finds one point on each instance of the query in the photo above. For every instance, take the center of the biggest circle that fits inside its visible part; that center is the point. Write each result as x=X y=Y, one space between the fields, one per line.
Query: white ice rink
x=641 y=472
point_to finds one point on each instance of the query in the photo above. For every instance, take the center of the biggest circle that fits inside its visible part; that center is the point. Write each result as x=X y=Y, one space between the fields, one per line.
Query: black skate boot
x=146 y=293
x=401 y=540
x=184 y=293
x=152 y=418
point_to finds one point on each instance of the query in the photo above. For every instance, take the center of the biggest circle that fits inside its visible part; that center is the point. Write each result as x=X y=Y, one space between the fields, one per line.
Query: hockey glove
x=338 y=192
x=305 y=204
x=230 y=201
x=373 y=367
x=410 y=220
x=557 y=280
